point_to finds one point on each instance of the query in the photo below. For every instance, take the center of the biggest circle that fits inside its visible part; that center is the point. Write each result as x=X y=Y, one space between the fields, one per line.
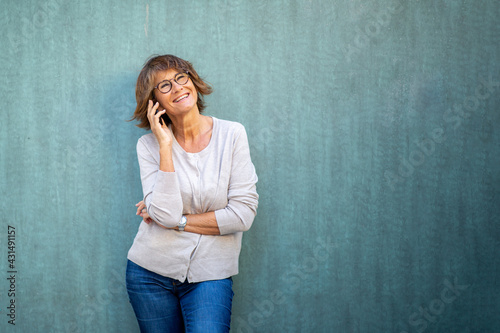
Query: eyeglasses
x=166 y=85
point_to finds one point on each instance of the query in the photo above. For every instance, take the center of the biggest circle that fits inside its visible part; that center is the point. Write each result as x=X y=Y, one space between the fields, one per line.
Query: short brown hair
x=145 y=85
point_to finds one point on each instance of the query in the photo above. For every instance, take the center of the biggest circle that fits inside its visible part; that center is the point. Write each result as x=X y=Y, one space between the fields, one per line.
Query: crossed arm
x=204 y=224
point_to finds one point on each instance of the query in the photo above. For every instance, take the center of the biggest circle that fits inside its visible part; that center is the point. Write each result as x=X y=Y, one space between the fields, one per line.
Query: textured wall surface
x=374 y=128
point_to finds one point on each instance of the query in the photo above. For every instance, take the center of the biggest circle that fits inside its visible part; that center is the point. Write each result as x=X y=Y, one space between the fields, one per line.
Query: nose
x=175 y=86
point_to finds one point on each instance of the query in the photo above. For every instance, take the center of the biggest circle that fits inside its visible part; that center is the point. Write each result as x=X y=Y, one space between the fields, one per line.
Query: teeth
x=181 y=97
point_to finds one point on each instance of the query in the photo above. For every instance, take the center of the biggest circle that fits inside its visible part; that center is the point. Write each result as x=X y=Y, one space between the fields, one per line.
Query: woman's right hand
x=161 y=131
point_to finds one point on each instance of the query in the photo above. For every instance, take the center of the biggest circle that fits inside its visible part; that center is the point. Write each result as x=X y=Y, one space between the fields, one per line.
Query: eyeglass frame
x=170 y=81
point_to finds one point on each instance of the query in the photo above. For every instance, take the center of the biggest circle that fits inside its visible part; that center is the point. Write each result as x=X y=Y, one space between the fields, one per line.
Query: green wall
x=374 y=128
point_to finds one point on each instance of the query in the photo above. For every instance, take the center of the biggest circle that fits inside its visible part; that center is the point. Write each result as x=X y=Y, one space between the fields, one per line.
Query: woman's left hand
x=142 y=212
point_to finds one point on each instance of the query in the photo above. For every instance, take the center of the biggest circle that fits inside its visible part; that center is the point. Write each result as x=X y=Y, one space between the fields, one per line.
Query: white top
x=220 y=178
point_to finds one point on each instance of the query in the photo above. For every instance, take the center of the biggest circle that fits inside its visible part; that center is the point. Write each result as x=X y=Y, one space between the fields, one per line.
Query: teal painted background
x=374 y=128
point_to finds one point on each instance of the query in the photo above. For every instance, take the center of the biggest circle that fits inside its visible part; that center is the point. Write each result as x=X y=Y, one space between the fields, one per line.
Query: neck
x=189 y=127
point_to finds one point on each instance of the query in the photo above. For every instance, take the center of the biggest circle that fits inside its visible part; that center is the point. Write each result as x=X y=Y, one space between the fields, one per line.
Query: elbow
x=248 y=214
x=244 y=225
x=165 y=219
x=165 y=210
x=246 y=221
x=231 y=221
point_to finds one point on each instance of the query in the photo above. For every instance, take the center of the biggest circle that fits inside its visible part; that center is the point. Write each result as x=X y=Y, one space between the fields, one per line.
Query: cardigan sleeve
x=161 y=189
x=242 y=196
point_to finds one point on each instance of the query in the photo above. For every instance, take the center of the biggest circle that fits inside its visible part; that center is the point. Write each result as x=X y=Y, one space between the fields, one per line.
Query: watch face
x=183 y=221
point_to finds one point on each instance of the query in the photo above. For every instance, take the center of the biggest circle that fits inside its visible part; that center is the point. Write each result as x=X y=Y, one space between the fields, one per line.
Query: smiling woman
x=147 y=83
x=199 y=187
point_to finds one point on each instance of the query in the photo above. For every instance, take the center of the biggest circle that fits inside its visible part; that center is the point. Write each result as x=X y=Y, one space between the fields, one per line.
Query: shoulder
x=228 y=126
x=147 y=141
x=230 y=134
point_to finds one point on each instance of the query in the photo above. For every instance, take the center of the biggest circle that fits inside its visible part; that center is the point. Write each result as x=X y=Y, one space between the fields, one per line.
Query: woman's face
x=181 y=99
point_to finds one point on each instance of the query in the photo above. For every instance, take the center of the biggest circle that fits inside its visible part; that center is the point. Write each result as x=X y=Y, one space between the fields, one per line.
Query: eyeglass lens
x=166 y=86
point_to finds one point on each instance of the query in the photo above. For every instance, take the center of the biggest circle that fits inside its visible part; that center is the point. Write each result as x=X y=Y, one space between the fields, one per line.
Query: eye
x=164 y=85
x=181 y=78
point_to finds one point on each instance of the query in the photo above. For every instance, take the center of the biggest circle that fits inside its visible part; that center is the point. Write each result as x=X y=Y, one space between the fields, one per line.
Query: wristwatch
x=182 y=223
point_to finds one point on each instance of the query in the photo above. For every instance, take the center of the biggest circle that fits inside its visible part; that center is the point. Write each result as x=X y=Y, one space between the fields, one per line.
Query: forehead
x=168 y=74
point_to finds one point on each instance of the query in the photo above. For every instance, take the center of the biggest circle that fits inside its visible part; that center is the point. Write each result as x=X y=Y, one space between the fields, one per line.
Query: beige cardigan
x=220 y=178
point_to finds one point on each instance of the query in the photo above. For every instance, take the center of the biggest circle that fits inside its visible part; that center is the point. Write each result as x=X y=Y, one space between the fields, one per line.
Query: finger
x=151 y=104
x=157 y=117
x=152 y=109
x=139 y=209
x=158 y=113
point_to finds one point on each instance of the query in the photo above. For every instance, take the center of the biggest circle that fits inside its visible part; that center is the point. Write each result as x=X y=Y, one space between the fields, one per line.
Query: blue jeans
x=162 y=304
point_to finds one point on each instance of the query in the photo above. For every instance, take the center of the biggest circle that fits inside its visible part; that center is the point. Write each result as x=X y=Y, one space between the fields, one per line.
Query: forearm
x=162 y=197
x=166 y=165
x=204 y=224
x=166 y=161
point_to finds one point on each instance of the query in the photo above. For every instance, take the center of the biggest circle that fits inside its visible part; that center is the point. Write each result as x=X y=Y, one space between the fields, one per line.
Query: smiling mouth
x=180 y=98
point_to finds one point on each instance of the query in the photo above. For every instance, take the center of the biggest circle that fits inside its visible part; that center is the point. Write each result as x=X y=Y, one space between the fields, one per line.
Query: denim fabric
x=162 y=304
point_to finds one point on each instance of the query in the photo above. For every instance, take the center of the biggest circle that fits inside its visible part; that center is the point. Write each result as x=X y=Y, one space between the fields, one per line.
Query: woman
x=199 y=192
